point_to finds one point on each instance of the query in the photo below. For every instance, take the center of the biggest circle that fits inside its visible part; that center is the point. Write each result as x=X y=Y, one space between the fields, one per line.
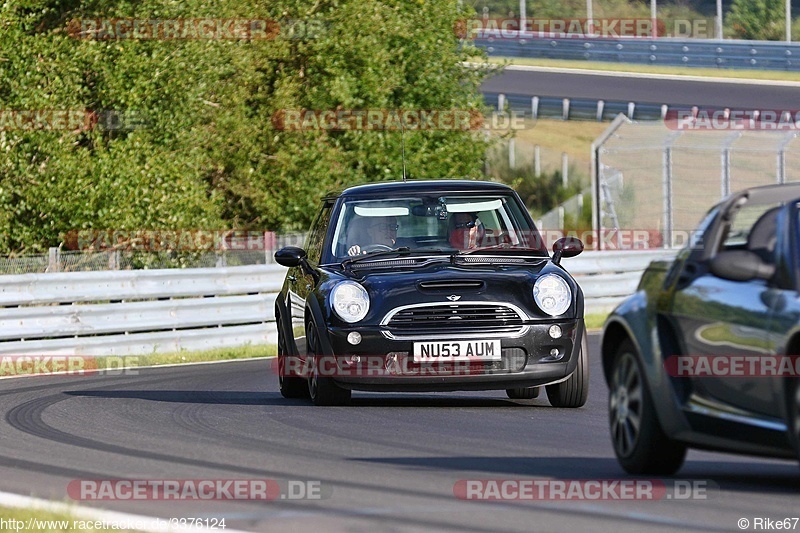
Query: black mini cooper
x=429 y=286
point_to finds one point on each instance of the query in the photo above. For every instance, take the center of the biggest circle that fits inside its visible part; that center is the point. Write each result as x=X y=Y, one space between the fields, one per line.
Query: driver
x=378 y=232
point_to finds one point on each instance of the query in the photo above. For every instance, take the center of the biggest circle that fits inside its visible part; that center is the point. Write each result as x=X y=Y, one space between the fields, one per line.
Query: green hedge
x=204 y=152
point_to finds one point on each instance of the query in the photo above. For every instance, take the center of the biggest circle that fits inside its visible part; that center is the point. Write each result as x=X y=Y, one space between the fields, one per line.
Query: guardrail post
x=537 y=161
x=565 y=109
x=600 y=106
x=535 y=107
x=564 y=169
x=631 y=108
x=512 y=156
x=501 y=102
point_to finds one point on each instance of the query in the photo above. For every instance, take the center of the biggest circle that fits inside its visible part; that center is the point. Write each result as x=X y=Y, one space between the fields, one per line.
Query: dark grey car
x=704 y=354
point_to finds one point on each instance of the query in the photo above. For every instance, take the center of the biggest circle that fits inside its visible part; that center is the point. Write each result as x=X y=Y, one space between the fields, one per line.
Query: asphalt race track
x=389 y=462
x=643 y=90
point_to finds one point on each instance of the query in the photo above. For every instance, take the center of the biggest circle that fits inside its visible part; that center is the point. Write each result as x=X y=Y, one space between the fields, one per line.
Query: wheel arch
x=281 y=316
x=315 y=316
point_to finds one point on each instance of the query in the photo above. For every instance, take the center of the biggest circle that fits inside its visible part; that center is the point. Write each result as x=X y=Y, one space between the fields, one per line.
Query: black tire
x=641 y=446
x=523 y=393
x=574 y=391
x=321 y=389
x=794 y=415
x=290 y=386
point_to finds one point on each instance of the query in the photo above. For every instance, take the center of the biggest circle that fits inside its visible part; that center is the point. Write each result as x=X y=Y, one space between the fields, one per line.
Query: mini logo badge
x=454 y=297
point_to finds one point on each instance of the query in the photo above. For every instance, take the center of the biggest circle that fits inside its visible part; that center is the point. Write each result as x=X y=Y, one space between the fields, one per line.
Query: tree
x=205 y=152
x=757 y=19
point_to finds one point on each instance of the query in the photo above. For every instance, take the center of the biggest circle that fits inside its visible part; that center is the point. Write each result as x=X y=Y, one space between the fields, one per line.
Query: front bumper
x=381 y=363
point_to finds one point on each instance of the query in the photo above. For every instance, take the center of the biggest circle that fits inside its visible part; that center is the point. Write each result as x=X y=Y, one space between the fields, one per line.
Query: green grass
x=772 y=75
x=23 y=365
x=217 y=354
x=595 y=320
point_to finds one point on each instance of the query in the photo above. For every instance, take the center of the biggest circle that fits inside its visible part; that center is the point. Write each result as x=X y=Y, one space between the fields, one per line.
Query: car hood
x=444 y=282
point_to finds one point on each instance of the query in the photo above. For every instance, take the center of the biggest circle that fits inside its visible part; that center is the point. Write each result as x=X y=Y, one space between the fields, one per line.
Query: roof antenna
x=403 y=143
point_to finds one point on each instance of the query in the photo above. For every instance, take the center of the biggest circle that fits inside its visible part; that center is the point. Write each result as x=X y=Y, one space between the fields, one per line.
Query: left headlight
x=349 y=301
x=552 y=294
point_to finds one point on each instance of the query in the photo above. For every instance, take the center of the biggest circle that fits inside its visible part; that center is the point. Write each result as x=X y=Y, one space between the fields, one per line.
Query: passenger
x=466 y=231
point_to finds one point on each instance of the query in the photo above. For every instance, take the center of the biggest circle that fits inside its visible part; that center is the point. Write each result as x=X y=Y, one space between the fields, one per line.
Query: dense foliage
x=199 y=148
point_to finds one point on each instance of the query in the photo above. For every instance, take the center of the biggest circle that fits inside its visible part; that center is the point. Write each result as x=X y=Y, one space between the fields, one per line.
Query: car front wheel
x=794 y=415
x=639 y=441
x=322 y=389
x=574 y=391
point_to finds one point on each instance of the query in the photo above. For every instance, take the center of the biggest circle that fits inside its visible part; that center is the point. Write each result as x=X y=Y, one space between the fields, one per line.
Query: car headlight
x=552 y=294
x=349 y=301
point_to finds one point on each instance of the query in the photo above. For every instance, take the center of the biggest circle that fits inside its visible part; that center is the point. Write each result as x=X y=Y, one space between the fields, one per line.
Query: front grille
x=466 y=317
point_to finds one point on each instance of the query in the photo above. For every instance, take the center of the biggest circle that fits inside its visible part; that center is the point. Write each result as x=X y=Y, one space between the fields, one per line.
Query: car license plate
x=426 y=352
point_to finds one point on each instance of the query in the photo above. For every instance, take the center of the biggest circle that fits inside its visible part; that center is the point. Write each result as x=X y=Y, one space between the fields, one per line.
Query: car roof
x=766 y=194
x=388 y=188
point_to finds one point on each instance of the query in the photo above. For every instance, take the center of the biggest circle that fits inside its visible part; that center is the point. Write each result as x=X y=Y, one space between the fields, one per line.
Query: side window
x=754 y=229
x=318 y=232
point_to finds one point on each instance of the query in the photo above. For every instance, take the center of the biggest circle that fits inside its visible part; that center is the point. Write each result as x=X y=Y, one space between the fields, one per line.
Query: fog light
x=354 y=338
x=554 y=352
x=555 y=332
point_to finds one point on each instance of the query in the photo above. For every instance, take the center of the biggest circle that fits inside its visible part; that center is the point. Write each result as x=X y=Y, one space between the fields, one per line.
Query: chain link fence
x=246 y=252
x=651 y=179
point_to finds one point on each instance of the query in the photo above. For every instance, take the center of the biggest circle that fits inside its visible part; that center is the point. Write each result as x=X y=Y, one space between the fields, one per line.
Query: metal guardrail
x=609 y=277
x=727 y=53
x=150 y=311
x=138 y=312
x=574 y=108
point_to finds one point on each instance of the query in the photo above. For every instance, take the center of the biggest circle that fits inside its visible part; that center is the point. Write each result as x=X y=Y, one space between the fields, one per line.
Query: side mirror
x=566 y=247
x=290 y=256
x=740 y=265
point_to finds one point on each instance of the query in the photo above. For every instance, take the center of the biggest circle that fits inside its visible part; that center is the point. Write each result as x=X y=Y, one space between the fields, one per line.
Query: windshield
x=436 y=224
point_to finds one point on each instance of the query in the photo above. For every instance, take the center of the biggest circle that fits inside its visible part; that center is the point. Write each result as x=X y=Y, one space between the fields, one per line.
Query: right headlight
x=552 y=294
x=349 y=301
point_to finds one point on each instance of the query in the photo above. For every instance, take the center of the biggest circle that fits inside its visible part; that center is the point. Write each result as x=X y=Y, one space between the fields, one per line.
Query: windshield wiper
x=404 y=250
x=372 y=255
